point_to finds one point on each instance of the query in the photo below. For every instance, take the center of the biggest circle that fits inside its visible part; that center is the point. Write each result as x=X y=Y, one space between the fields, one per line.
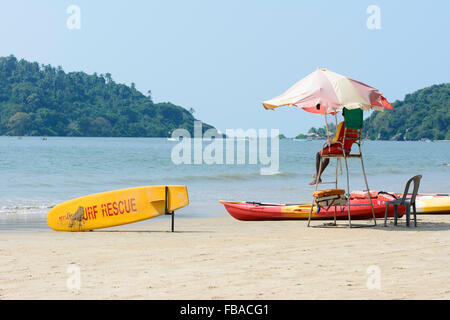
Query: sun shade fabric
x=324 y=91
x=353 y=118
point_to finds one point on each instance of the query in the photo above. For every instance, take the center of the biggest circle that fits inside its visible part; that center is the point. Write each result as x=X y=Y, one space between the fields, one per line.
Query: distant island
x=40 y=100
x=318 y=133
x=422 y=115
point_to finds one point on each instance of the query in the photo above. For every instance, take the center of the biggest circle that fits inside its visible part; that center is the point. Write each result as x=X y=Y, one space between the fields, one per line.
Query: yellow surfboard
x=117 y=207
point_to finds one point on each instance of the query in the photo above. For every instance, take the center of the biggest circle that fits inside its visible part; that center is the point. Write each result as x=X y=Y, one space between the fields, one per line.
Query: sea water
x=36 y=174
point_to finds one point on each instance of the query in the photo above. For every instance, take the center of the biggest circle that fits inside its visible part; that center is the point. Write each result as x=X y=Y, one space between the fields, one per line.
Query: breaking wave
x=25 y=209
x=238 y=176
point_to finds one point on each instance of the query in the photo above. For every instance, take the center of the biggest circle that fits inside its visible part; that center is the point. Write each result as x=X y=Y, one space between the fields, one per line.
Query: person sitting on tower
x=336 y=146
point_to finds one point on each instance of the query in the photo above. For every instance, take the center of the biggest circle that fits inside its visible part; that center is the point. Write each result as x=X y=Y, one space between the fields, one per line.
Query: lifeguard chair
x=338 y=149
x=326 y=92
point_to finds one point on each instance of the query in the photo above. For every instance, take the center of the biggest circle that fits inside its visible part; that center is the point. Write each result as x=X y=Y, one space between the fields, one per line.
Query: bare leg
x=325 y=163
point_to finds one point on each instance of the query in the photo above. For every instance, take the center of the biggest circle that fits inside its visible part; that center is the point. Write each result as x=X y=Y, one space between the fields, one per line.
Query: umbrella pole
x=318 y=173
x=348 y=193
x=336 y=185
x=337 y=166
x=348 y=181
x=317 y=184
x=328 y=133
x=367 y=186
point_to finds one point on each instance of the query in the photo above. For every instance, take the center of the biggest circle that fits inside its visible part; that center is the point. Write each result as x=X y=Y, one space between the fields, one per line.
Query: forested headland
x=41 y=100
x=423 y=114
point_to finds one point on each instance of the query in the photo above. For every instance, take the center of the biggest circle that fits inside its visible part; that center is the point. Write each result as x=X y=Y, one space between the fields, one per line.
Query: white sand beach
x=222 y=258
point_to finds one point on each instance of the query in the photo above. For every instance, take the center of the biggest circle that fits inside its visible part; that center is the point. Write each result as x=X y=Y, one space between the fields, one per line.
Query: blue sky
x=223 y=58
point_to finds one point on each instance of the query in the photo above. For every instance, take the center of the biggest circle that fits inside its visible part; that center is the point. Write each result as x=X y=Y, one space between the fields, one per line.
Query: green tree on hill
x=301 y=136
x=43 y=100
x=424 y=114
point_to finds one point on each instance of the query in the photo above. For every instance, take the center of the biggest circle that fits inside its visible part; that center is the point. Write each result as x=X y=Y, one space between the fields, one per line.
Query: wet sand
x=222 y=258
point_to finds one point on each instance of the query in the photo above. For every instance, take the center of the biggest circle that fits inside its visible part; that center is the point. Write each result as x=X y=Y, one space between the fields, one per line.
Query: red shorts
x=333 y=149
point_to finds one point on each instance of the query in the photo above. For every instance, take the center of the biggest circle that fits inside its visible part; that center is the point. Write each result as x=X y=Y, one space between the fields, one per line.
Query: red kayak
x=360 y=209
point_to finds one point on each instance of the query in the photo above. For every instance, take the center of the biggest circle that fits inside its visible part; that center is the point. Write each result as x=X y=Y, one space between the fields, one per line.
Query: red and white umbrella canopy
x=324 y=91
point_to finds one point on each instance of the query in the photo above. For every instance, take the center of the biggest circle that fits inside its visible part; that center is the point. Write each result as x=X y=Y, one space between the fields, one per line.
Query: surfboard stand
x=166 y=211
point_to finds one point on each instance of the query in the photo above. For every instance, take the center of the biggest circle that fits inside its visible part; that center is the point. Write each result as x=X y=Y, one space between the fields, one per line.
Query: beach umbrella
x=324 y=91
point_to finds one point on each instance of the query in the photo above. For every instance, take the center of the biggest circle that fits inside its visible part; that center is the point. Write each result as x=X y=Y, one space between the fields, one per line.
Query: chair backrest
x=353 y=121
x=353 y=118
x=416 y=180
